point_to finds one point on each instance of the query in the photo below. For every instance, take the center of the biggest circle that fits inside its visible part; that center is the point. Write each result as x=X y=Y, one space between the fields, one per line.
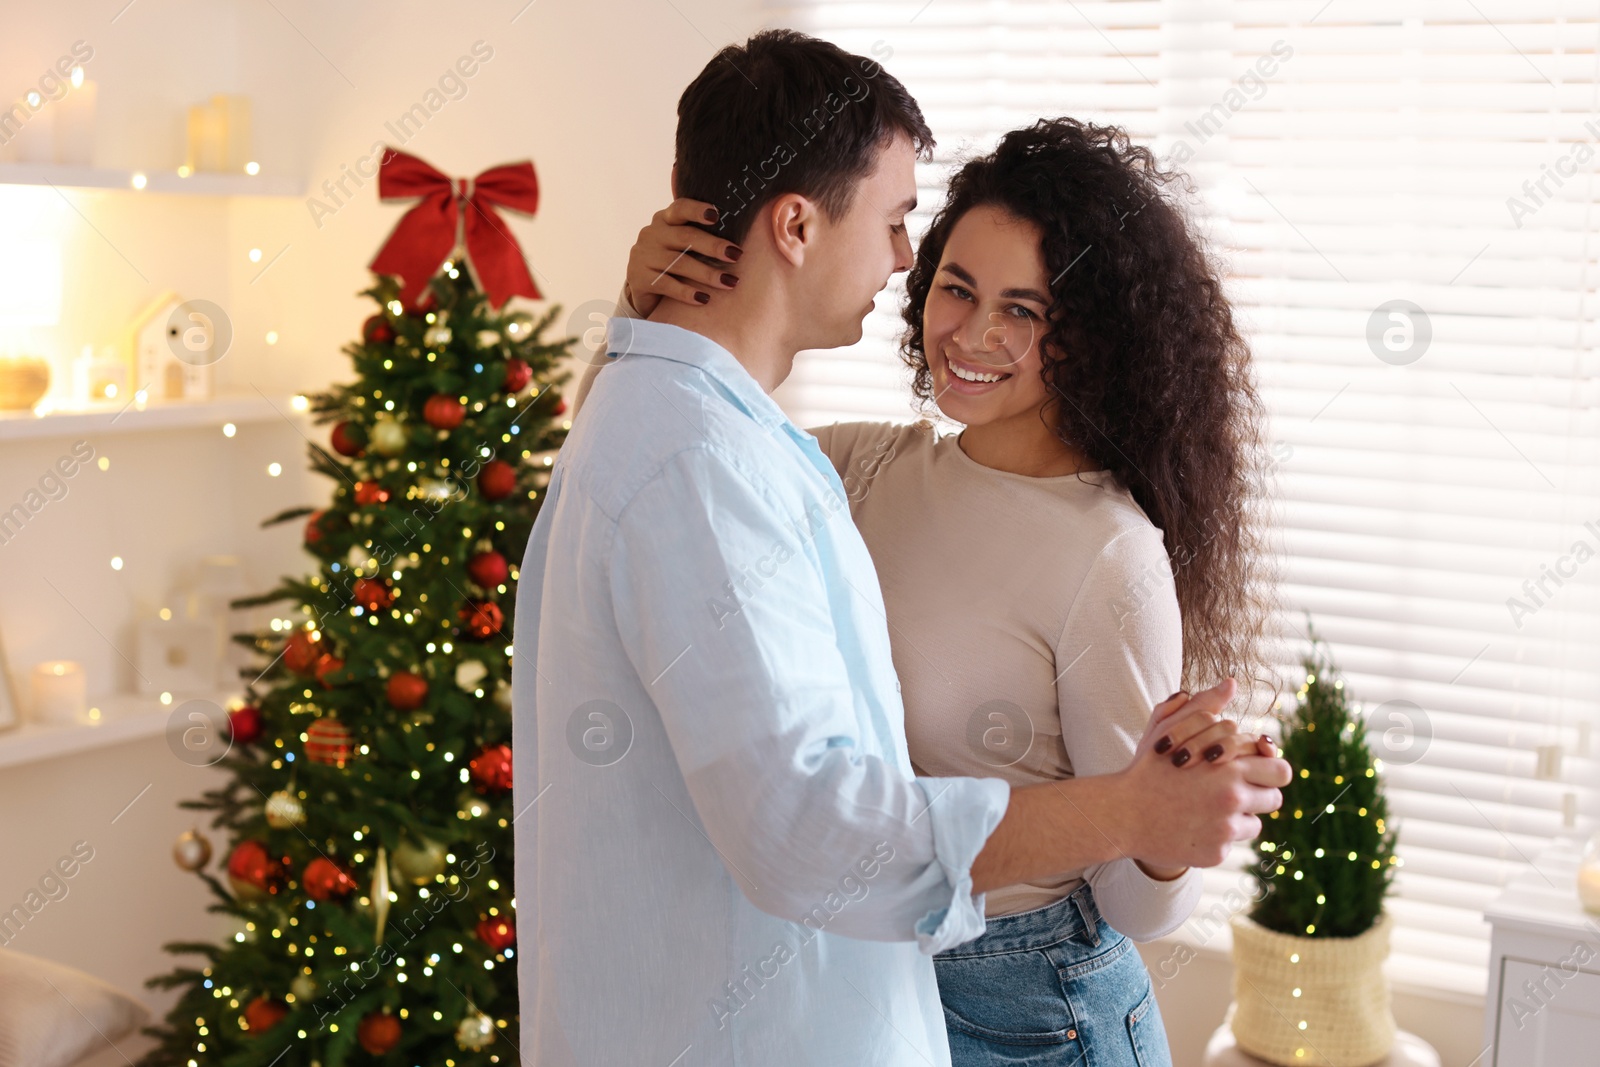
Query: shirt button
x=1072 y=1035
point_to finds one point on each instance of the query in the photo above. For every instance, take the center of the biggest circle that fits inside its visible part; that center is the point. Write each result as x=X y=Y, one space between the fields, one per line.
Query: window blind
x=1405 y=194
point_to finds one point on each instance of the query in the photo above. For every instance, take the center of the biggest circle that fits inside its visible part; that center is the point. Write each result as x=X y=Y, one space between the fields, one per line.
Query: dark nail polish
x=1211 y=754
x=730 y=280
x=711 y=214
x=1174 y=696
x=1180 y=757
x=704 y=298
x=1163 y=744
x=733 y=253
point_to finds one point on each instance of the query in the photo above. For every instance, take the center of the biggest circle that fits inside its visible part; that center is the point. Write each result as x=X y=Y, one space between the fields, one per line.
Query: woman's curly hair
x=1152 y=378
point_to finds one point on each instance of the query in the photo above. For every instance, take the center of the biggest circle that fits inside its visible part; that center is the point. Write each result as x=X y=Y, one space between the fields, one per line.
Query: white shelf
x=156 y=415
x=67 y=176
x=123 y=719
x=1544 y=897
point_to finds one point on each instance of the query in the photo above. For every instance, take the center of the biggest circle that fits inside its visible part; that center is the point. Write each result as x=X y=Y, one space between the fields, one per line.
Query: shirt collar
x=641 y=337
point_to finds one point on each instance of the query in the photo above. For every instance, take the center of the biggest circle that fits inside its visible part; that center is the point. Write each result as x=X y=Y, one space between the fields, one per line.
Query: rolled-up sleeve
x=1140 y=906
x=723 y=607
x=1124 y=639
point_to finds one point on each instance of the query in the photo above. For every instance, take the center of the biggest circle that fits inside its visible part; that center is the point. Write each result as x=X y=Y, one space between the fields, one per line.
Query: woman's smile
x=971 y=378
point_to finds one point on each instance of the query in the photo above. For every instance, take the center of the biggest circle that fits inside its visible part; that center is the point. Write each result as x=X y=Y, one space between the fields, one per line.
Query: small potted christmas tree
x=1308 y=982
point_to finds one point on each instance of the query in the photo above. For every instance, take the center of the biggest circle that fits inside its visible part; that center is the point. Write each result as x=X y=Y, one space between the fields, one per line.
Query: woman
x=1084 y=547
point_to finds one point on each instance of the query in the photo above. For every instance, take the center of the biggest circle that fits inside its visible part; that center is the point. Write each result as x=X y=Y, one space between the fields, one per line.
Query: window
x=1406 y=194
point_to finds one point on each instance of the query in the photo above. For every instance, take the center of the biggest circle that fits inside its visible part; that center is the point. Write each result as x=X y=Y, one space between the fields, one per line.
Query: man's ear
x=673 y=181
x=792 y=220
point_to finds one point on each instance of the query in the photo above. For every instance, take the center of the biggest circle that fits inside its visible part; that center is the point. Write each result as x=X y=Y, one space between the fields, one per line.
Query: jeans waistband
x=1074 y=917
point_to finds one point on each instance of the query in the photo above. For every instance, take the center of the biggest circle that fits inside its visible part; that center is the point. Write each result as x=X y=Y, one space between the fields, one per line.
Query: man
x=722 y=854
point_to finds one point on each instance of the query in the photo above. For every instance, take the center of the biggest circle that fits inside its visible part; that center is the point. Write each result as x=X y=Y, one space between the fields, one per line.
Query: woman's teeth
x=972 y=376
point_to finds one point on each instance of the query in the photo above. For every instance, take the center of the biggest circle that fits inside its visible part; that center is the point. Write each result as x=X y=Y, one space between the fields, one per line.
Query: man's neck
x=743 y=329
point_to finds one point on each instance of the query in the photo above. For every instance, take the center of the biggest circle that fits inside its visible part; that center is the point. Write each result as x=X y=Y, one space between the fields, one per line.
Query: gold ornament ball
x=284 y=811
x=192 y=851
x=475 y=1032
x=432 y=489
x=388 y=437
x=470 y=805
x=419 y=862
x=303 y=986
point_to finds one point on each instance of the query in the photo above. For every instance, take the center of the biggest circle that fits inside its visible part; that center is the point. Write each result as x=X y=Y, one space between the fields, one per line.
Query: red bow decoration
x=426 y=234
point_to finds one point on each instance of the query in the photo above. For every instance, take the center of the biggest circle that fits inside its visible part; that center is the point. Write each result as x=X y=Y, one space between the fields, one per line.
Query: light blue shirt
x=722 y=855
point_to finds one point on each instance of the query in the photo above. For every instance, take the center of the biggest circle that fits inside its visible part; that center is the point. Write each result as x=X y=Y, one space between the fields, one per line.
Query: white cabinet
x=1543 y=1007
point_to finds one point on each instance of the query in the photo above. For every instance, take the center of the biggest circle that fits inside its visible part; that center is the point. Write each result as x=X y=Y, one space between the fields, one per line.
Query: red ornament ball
x=497 y=480
x=560 y=408
x=313 y=528
x=518 y=375
x=326 y=880
x=329 y=741
x=244 y=724
x=377 y=331
x=300 y=652
x=488 y=569
x=347 y=439
x=326 y=665
x=491 y=769
x=373 y=593
x=378 y=1032
x=253 y=871
x=407 y=691
x=369 y=493
x=482 y=619
x=443 y=412
x=264 y=1012
x=498 y=932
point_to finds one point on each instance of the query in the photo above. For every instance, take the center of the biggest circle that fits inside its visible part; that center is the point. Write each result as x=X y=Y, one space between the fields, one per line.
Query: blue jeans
x=1052 y=987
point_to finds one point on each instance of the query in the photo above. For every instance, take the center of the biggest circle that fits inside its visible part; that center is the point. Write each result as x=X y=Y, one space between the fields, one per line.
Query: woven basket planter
x=1317 y=1001
x=23 y=381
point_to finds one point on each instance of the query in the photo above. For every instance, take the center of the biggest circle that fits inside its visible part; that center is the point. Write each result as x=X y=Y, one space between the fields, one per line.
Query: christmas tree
x=1325 y=859
x=369 y=807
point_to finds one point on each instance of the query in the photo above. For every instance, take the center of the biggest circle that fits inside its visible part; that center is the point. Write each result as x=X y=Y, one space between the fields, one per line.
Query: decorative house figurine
x=178 y=655
x=171 y=345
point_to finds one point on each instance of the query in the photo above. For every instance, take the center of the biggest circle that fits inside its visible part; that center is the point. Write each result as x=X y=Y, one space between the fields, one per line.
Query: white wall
x=587 y=91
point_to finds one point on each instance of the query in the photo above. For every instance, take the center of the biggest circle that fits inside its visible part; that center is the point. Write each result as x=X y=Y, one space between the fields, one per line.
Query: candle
x=208 y=136
x=1589 y=876
x=1589 y=887
x=109 y=376
x=36 y=142
x=75 y=122
x=59 y=693
x=233 y=111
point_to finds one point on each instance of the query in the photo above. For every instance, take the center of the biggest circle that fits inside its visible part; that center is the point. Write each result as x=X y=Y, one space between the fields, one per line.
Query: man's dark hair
x=787 y=113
